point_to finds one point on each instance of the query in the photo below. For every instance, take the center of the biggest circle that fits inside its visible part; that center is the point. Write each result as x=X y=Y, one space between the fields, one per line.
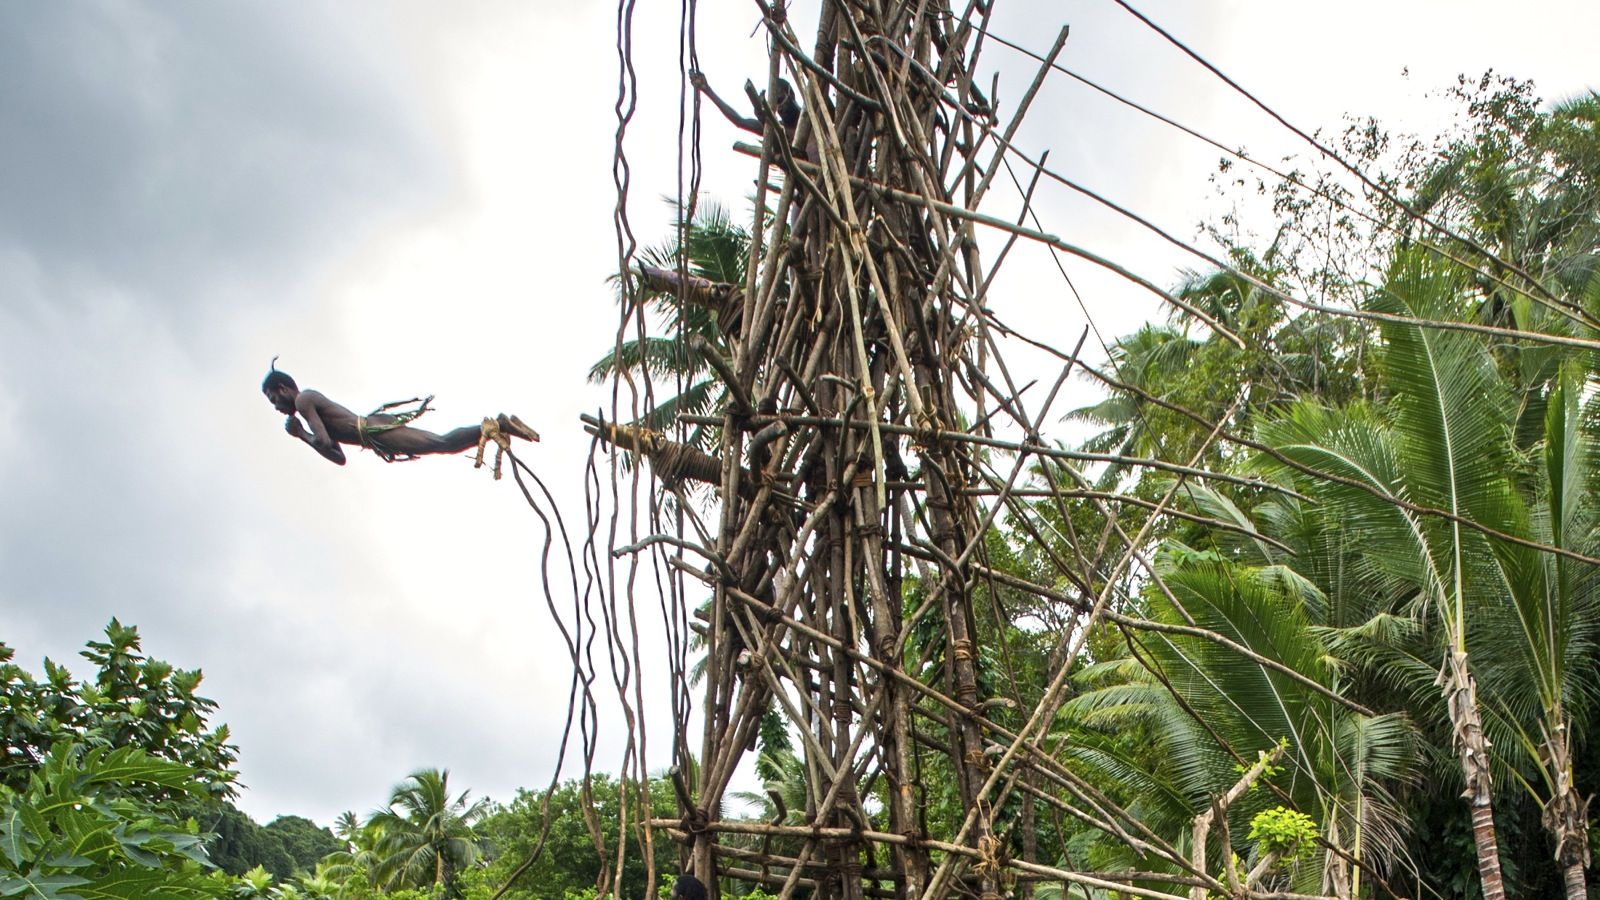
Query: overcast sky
x=407 y=198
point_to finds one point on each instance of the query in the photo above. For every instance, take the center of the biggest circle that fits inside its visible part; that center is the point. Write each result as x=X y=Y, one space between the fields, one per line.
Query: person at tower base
x=688 y=887
x=328 y=424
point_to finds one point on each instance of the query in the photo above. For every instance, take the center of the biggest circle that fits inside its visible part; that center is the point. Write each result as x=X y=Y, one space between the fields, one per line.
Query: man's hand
x=295 y=429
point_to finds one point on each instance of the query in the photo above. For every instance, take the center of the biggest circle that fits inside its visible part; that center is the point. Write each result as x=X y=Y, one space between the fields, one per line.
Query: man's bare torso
x=339 y=421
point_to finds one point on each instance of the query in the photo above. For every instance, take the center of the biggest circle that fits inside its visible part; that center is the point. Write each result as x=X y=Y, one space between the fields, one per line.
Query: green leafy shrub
x=83 y=826
x=131 y=701
x=1291 y=835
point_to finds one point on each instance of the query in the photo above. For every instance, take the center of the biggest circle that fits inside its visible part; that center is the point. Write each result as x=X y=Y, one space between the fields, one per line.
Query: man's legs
x=408 y=441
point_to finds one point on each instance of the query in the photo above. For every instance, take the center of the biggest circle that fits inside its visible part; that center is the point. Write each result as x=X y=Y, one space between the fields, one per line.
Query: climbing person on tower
x=385 y=432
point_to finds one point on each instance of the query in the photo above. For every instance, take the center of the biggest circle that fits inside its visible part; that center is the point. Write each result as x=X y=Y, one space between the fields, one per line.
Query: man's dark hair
x=276 y=379
x=688 y=887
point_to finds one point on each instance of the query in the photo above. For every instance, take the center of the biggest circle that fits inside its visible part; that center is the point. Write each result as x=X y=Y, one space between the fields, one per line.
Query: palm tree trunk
x=1461 y=699
x=1566 y=815
x=1577 y=889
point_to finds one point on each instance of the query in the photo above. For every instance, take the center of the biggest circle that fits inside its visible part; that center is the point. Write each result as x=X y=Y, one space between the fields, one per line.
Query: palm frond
x=1448 y=394
x=657 y=355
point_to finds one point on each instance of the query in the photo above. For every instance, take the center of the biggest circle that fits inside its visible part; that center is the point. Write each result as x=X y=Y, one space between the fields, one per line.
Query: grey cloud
x=172 y=174
x=165 y=146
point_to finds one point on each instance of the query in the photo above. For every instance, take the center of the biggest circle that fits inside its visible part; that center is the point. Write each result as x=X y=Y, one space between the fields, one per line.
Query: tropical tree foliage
x=427 y=836
x=100 y=777
x=83 y=826
x=130 y=701
x=710 y=247
x=568 y=862
x=1211 y=710
x=1428 y=467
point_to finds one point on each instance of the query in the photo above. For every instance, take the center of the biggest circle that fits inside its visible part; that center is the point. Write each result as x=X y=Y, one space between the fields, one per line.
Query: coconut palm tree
x=783 y=784
x=1447 y=449
x=315 y=886
x=1541 y=674
x=1496 y=436
x=428 y=838
x=1152 y=359
x=358 y=862
x=1287 y=357
x=1449 y=445
x=1525 y=185
x=347 y=828
x=715 y=251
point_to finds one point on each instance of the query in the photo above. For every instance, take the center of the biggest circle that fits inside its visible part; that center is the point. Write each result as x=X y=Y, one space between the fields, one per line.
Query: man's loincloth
x=371 y=437
x=370 y=433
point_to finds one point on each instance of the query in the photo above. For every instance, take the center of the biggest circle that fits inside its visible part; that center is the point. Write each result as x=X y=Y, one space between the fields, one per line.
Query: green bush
x=1292 y=835
x=83 y=827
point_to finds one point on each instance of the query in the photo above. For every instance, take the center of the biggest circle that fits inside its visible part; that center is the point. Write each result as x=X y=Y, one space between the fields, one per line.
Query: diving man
x=329 y=424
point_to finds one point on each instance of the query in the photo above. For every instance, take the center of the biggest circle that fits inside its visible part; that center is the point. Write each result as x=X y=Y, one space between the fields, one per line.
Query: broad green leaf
x=40 y=887
x=143 y=884
x=15 y=836
x=66 y=861
x=130 y=764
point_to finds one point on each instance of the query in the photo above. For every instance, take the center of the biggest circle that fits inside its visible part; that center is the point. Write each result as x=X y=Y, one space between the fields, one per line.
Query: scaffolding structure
x=824 y=542
x=867 y=399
